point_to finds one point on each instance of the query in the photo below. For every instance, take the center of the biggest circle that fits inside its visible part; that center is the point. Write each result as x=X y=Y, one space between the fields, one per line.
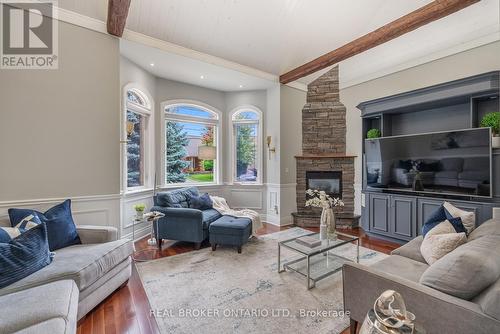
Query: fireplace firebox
x=327 y=181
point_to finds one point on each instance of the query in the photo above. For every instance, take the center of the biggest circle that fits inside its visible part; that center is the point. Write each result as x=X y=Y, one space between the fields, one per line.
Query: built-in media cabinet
x=457 y=105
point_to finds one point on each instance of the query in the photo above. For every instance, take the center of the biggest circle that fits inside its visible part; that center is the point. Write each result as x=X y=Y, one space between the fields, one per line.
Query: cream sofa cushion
x=441 y=240
x=468 y=218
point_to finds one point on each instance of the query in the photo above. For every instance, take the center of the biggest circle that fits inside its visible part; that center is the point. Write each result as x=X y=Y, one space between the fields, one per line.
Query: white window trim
x=217 y=122
x=148 y=113
x=260 y=150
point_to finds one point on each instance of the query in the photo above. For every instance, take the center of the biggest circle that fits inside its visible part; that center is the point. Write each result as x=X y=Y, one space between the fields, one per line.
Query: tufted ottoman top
x=231 y=225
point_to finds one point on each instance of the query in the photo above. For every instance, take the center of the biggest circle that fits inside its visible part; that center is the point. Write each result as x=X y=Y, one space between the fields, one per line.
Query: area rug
x=226 y=292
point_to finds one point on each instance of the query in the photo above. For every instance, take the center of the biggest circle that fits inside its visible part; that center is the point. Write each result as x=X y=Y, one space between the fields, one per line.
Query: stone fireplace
x=327 y=181
x=324 y=164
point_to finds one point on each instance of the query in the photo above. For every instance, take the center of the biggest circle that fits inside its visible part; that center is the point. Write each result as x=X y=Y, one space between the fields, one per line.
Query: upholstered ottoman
x=229 y=230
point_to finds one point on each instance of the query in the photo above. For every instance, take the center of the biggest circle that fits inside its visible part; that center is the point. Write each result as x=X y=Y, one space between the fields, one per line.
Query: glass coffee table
x=317 y=262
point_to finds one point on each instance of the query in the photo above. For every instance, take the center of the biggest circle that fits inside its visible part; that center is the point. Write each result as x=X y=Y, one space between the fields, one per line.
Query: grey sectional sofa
x=77 y=280
x=438 y=312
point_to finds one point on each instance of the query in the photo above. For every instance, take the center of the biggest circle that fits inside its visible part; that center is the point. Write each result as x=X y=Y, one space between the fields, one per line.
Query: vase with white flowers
x=320 y=199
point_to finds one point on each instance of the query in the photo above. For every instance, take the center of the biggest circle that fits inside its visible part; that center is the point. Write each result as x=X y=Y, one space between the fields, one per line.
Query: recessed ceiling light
x=241 y=86
x=152 y=64
x=202 y=77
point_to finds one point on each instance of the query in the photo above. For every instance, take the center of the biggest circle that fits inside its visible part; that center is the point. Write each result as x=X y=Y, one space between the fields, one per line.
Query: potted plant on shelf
x=319 y=199
x=139 y=210
x=373 y=134
x=492 y=120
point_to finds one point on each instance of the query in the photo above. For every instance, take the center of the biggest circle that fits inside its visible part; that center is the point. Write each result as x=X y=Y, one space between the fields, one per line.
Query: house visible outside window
x=190 y=144
x=247 y=142
x=138 y=111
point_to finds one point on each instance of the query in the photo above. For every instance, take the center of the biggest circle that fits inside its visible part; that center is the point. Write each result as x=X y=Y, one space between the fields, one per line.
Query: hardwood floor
x=127 y=309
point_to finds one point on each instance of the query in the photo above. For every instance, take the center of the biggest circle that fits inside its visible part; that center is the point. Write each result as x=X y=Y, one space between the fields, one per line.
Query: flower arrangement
x=320 y=199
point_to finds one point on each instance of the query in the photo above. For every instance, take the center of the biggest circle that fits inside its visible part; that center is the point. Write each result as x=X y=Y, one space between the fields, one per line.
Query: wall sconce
x=269 y=148
x=130 y=131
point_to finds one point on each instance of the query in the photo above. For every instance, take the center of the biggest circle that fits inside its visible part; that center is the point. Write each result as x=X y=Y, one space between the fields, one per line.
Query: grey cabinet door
x=426 y=208
x=379 y=213
x=403 y=217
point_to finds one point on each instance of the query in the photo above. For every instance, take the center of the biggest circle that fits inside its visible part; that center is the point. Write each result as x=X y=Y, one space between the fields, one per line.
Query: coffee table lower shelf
x=319 y=262
x=318 y=266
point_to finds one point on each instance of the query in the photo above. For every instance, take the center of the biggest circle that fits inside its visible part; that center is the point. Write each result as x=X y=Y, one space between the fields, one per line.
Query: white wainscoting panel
x=248 y=198
x=288 y=203
x=273 y=206
x=128 y=214
x=102 y=210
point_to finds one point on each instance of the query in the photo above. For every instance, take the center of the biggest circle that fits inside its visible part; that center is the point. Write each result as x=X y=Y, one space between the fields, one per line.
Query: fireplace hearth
x=324 y=164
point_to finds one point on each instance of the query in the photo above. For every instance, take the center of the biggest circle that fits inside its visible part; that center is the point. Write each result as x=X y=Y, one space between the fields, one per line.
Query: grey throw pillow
x=467 y=270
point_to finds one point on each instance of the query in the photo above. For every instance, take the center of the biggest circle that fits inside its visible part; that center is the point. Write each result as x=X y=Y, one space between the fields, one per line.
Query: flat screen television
x=454 y=163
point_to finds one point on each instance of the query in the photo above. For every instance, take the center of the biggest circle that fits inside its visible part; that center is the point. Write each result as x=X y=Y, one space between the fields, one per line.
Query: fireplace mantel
x=326 y=156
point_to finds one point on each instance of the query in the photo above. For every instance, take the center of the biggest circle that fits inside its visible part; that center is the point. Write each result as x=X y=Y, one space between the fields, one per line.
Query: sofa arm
x=411 y=250
x=90 y=234
x=185 y=213
x=435 y=311
x=180 y=224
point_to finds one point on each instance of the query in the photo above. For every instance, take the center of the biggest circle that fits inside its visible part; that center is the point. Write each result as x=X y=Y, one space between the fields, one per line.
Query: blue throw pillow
x=24 y=255
x=61 y=229
x=202 y=202
x=178 y=198
x=9 y=233
x=439 y=216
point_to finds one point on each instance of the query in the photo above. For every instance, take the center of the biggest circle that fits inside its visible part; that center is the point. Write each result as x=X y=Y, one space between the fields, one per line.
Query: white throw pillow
x=440 y=241
x=468 y=218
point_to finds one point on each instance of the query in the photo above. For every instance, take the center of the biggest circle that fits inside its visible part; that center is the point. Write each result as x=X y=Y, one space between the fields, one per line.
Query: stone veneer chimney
x=323 y=145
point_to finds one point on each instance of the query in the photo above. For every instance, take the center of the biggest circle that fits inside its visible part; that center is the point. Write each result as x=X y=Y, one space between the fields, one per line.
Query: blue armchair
x=181 y=222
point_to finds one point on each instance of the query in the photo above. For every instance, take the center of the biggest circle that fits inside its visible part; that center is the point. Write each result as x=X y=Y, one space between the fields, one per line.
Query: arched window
x=247 y=145
x=191 y=136
x=138 y=112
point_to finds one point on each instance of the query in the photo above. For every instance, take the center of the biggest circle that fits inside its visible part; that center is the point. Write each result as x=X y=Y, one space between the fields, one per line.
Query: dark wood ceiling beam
x=418 y=18
x=117 y=16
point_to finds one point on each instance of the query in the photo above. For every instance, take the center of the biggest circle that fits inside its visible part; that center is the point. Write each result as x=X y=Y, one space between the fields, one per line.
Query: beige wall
x=475 y=61
x=130 y=73
x=59 y=129
x=292 y=102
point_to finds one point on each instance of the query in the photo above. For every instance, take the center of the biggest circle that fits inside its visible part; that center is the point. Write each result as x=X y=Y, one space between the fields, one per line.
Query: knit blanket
x=223 y=208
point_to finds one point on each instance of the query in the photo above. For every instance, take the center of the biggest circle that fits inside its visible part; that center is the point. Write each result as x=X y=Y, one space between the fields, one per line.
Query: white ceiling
x=189 y=70
x=275 y=36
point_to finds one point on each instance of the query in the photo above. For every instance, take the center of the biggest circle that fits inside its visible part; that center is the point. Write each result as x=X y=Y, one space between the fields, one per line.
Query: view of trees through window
x=183 y=139
x=246 y=151
x=135 y=146
x=246 y=128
